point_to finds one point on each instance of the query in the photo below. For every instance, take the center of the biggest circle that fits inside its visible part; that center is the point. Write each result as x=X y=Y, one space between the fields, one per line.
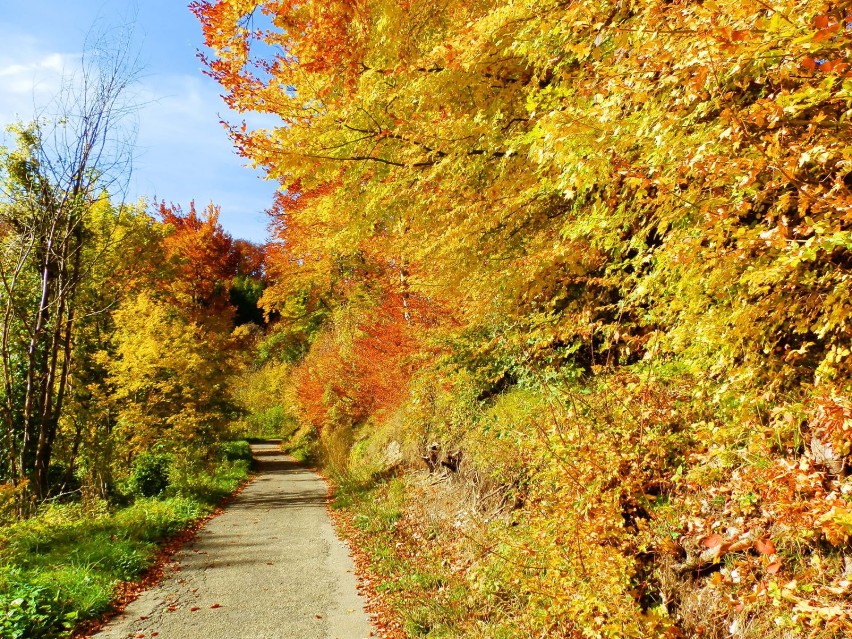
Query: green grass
x=62 y=566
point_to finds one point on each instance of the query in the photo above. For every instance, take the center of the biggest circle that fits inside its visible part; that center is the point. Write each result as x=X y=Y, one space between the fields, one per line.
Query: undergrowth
x=61 y=566
x=617 y=508
x=428 y=598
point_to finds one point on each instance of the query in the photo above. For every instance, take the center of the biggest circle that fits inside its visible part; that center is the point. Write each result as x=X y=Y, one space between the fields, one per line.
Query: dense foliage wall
x=597 y=251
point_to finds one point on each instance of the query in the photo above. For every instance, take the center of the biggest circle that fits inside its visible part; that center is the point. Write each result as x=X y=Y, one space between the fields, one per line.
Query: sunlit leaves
x=584 y=187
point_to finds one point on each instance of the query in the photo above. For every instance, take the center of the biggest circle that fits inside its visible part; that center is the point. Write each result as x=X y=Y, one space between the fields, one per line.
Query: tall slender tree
x=65 y=161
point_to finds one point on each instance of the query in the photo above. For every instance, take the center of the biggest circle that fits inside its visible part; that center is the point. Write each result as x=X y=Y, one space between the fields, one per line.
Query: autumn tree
x=169 y=375
x=559 y=164
x=593 y=190
x=62 y=167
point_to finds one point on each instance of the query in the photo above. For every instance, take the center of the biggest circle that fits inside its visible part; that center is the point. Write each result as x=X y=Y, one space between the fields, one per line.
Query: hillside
x=562 y=293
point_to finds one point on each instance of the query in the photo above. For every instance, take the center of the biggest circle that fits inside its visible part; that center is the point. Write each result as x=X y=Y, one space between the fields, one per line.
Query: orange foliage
x=319 y=380
x=324 y=38
x=368 y=377
x=383 y=353
x=202 y=252
x=250 y=258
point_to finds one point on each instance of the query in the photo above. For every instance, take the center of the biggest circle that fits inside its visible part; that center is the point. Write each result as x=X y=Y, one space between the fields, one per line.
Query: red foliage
x=203 y=254
x=251 y=258
x=322 y=370
x=370 y=377
x=383 y=353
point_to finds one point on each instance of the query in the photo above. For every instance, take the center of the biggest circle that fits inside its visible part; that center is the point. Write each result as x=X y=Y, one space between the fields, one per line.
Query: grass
x=61 y=566
x=427 y=598
x=303 y=446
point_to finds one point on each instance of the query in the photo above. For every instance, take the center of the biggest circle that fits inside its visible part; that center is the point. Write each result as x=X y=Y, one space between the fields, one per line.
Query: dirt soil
x=269 y=567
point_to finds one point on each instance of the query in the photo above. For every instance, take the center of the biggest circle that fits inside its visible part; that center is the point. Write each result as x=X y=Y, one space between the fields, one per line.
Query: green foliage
x=235 y=451
x=27 y=612
x=245 y=296
x=272 y=422
x=304 y=446
x=61 y=566
x=194 y=479
x=287 y=345
x=149 y=475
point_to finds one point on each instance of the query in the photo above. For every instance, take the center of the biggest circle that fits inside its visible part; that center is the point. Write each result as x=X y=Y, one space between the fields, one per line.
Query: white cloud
x=29 y=76
x=182 y=151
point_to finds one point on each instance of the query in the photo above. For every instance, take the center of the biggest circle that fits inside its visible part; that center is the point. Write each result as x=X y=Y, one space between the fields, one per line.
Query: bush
x=272 y=422
x=208 y=485
x=152 y=519
x=235 y=451
x=150 y=474
x=304 y=446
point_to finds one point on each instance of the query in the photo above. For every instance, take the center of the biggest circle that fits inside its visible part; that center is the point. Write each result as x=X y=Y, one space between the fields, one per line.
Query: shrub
x=28 y=611
x=150 y=474
x=151 y=519
x=272 y=422
x=235 y=451
x=304 y=445
x=207 y=484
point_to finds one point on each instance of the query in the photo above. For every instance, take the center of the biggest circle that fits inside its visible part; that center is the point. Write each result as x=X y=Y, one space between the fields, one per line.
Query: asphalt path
x=269 y=567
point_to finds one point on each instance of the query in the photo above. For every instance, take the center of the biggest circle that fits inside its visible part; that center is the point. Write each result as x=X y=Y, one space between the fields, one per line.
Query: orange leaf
x=712 y=541
x=773 y=568
x=821 y=22
x=765 y=546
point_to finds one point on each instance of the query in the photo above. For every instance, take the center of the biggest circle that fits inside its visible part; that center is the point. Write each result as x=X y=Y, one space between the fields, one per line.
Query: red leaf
x=712 y=541
x=821 y=22
x=194 y=608
x=765 y=546
x=216 y=605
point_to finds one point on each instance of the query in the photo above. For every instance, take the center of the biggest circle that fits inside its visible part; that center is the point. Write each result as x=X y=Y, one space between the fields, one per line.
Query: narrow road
x=269 y=567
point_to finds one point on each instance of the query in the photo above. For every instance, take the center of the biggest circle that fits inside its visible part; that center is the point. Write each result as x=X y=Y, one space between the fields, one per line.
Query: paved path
x=269 y=567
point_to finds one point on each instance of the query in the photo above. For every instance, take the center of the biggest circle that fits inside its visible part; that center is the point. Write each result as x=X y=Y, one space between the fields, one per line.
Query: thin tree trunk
x=60 y=355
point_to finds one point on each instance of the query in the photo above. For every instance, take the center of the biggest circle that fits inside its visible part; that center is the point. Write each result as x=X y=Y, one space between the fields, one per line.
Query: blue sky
x=183 y=153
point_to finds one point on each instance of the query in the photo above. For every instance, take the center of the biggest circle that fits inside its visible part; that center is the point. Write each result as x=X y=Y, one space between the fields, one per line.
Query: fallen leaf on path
x=765 y=546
